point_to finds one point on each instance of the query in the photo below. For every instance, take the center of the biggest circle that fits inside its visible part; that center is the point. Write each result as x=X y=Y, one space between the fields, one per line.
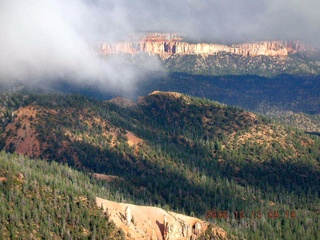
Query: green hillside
x=224 y=64
x=180 y=152
x=290 y=99
x=41 y=200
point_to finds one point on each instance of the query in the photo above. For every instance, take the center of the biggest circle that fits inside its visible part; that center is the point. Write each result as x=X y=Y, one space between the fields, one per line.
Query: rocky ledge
x=168 y=44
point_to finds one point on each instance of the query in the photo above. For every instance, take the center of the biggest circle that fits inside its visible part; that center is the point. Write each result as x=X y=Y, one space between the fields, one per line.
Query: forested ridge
x=193 y=155
x=223 y=64
x=291 y=99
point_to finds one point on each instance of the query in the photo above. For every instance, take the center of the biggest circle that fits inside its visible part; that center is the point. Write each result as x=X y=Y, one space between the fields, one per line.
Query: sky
x=230 y=20
x=45 y=40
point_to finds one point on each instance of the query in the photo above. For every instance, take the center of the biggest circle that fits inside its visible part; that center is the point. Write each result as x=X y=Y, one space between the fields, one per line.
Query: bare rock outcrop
x=128 y=216
x=197 y=229
x=164 y=44
x=180 y=229
x=155 y=223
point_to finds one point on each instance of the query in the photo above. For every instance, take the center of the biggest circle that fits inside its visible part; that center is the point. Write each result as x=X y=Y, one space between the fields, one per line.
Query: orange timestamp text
x=271 y=214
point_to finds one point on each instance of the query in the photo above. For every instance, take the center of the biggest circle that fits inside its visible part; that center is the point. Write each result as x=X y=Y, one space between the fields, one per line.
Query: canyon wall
x=164 y=44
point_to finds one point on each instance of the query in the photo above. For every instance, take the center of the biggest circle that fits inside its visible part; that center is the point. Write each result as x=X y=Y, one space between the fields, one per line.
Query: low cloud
x=44 y=41
x=230 y=20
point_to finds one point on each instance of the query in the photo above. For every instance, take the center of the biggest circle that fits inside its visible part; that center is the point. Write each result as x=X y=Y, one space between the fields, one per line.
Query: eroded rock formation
x=180 y=229
x=197 y=229
x=128 y=216
x=167 y=44
x=155 y=223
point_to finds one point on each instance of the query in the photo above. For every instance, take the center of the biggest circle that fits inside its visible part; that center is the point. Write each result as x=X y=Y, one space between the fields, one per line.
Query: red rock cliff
x=173 y=44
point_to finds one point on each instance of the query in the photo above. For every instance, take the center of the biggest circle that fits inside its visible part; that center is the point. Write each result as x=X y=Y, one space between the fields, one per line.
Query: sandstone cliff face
x=164 y=44
x=144 y=222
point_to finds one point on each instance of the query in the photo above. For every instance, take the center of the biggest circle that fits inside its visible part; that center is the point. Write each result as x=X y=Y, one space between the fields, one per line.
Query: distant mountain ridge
x=261 y=58
x=164 y=44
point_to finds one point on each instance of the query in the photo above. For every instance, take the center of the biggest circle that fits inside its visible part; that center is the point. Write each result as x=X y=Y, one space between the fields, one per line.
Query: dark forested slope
x=49 y=201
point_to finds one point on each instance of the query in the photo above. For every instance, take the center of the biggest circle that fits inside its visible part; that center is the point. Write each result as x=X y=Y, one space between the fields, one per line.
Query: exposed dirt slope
x=155 y=223
x=21 y=133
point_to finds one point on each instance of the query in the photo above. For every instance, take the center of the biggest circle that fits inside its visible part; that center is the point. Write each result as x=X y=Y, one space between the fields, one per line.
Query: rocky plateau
x=167 y=44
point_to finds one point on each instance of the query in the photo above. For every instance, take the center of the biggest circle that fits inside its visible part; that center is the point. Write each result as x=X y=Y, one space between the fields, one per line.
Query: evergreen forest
x=255 y=178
